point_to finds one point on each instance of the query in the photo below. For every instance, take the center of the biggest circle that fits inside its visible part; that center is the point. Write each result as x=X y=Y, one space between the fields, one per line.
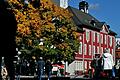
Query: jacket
x=107 y=61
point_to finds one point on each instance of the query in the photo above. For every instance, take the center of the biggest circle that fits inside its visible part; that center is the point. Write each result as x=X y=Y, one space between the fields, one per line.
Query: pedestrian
x=119 y=73
x=4 y=72
x=107 y=62
x=8 y=29
x=33 y=65
x=24 y=67
x=48 y=68
x=41 y=65
x=96 y=64
x=117 y=66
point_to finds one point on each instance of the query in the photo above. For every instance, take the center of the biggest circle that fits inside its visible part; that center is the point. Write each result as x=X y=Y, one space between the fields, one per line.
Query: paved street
x=54 y=78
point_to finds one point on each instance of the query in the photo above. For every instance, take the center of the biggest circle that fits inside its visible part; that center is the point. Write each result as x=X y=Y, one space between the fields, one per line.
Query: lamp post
x=66 y=65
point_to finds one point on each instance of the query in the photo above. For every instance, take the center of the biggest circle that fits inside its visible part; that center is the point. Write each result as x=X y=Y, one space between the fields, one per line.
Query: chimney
x=83 y=6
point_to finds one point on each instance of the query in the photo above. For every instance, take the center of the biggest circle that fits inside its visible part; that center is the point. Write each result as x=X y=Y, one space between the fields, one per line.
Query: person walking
x=48 y=68
x=96 y=64
x=107 y=62
x=8 y=29
x=41 y=65
x=33 y=64
x=119 y=73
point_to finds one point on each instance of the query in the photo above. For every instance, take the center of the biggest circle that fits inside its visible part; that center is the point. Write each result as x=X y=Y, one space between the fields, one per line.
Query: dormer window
x=92 y=22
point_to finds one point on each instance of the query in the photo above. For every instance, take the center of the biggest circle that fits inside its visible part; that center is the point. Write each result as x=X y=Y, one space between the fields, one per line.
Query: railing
x=72 y=68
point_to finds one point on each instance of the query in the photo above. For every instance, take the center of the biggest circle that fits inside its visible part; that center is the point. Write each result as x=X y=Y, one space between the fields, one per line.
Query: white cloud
x=94 y=6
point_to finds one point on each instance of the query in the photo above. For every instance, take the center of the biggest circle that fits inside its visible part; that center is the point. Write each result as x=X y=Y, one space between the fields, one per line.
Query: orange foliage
x=34 y=23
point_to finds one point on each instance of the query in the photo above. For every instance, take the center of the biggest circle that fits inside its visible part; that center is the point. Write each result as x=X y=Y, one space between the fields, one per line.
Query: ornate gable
x=105 y=29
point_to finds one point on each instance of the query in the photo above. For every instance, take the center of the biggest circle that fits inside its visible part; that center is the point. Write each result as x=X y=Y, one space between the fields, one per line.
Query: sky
x=103 y=10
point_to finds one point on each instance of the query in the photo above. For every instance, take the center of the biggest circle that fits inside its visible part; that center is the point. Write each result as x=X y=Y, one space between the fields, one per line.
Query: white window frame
x=105 y=37
x=87 y=35
x=109 y=50
x=89 y=65
x=101 y=49
x=80 y=37
x=93 y=36
x=94 y=50
x=98 y=49
x=110 y=40
x=112 y=51
x=89 y=50
x=85 y=64
x=98 y=37
x=80 y=48
x=85 y=49
x=102 y=38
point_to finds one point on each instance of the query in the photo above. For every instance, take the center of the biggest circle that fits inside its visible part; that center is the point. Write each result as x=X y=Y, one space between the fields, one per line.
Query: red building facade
x=95 y=36
x=93 y=42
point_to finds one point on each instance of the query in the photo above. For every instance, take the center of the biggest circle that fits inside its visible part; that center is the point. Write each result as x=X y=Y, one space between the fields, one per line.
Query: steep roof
x=81 y=18
x=112 y=32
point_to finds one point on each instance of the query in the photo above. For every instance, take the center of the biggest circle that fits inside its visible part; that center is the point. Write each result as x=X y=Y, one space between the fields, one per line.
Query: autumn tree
x=49 y=23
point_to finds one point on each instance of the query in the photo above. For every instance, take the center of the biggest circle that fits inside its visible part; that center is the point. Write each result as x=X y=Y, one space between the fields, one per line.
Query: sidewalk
x=43 y=78
x=52 y=78
x=79 y=78
x=55 y=78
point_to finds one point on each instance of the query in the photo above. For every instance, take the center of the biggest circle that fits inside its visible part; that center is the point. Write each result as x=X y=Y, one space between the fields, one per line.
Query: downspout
x=83 y=56
x=92 y=44
x=114 y=47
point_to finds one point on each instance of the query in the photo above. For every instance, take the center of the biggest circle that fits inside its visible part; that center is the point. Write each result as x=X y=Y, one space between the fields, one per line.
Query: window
x=102 y=38
x=89 y=65
x=93 y=36
x=94 y=49
x=80 y=37
x=110 y=40
x=89 y=50
x=85 y=49
x=79 y=65
x=85 y=64
x=112 y=51
x=101 y=49
x=98 y=49
x=87 y=35
x=105 y=39
x=80 y=48
x=109 y=50
x=98 y=37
